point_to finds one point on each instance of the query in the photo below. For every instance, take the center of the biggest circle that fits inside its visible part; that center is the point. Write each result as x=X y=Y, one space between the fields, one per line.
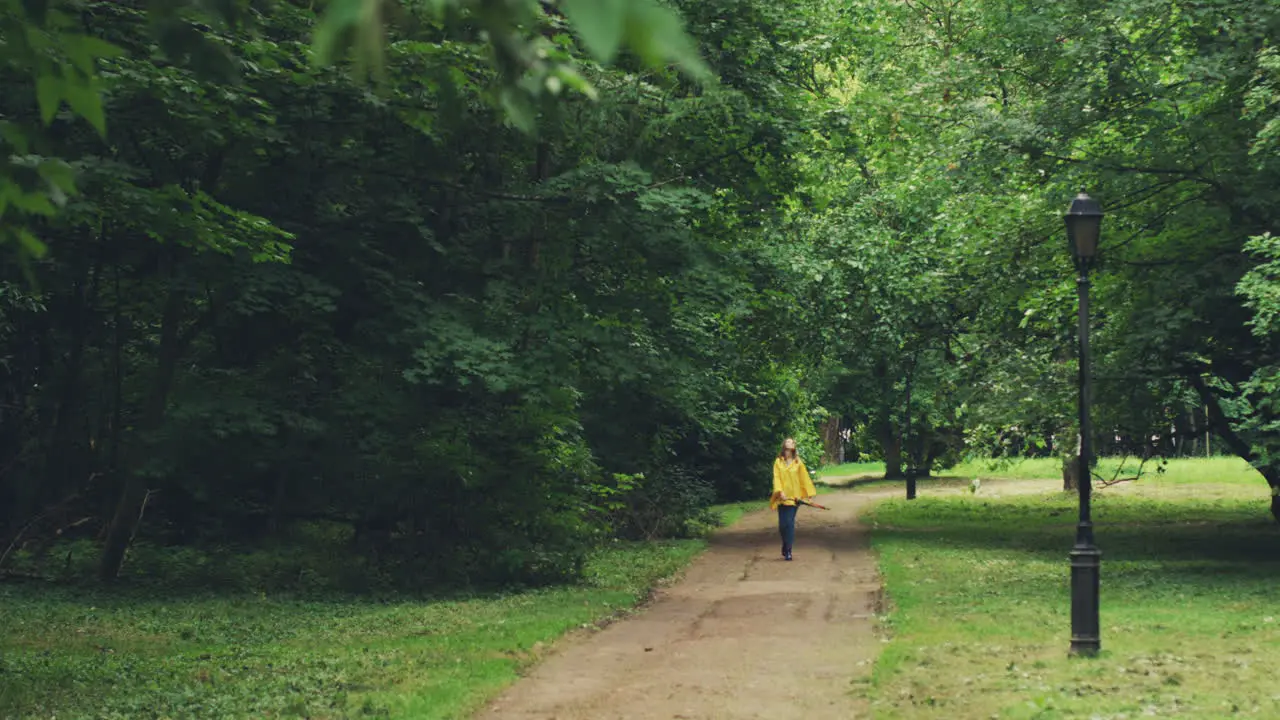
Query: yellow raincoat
x=792 y=480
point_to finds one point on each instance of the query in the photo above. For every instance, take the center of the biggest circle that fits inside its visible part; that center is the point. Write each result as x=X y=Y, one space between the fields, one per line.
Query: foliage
x=284 y=296
x=62 y=59
x=949 y=145
x=673 y=501
x=556 y=244
x=1259 y=422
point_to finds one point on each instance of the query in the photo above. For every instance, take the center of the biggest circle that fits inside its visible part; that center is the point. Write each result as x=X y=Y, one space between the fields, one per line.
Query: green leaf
x=85 y=100
x=519 y=108
x=85 y=51
x=657 y=35
x=14 y=136
x=60 y=177
x=35 y=203
x=58 y=174
x=339 y=18
x=572 y=78
x=600 y=23
x=101 y=48
x=31 y=243
x=49 y=96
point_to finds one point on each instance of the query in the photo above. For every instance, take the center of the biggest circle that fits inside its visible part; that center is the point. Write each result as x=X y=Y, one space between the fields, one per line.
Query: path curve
x=742 y=634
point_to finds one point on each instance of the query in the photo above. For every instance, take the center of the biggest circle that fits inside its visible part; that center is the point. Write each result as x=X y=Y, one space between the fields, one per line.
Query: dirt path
x=742 y=635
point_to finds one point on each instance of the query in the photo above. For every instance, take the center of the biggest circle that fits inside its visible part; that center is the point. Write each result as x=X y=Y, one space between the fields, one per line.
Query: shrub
x=670 y=502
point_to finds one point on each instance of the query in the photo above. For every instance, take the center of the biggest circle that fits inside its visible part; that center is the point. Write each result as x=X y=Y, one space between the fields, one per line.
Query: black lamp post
x=906 y=436
x=1084 y=225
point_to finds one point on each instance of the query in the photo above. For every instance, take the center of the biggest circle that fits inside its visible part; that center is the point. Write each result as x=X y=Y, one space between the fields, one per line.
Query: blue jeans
x=787 y=525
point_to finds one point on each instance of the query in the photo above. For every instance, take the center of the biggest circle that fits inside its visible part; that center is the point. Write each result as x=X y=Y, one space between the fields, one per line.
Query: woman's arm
x=777 y=481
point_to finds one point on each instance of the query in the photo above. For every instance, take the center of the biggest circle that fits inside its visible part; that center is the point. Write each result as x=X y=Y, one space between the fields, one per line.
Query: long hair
x=782 y=451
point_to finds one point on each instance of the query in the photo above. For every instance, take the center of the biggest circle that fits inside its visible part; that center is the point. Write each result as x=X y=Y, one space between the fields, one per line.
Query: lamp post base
x=1086 y=635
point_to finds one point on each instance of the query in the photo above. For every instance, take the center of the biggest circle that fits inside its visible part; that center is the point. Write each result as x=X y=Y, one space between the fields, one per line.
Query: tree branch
x=1218 y=420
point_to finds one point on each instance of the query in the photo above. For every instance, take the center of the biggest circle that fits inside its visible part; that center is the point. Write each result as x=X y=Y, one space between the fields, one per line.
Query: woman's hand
x=783 y=497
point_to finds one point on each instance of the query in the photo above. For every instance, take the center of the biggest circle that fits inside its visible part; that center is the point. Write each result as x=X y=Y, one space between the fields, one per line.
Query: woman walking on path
x=791 y=482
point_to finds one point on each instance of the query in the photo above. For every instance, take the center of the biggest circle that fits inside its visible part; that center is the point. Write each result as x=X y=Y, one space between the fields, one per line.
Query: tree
x=290 y=296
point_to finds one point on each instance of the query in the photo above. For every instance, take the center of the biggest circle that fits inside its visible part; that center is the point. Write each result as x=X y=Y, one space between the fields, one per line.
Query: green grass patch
x=1225 y=470
x=980 y=608
x=923 y=484
x=730 y=513
x=74 y=654
x=850 y=469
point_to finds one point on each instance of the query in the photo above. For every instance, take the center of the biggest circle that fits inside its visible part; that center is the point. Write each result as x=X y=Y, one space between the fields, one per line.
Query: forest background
x=445 y=293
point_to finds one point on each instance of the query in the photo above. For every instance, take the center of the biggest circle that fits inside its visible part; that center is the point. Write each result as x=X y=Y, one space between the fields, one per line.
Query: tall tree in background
x=1165 y=111
x=283 y=295
x=270 y=267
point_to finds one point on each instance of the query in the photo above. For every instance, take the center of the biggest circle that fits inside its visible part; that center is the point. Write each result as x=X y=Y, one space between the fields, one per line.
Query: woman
x=791 y=482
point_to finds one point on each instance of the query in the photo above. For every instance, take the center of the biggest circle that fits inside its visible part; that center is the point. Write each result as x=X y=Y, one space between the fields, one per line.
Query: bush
x=671 y=502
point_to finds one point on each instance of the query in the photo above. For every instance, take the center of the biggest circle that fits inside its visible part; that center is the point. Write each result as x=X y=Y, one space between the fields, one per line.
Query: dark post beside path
x=906 y=439
x=1084 y=226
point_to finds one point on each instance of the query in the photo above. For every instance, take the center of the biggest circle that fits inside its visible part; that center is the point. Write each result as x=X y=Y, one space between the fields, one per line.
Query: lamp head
x=1084 y=227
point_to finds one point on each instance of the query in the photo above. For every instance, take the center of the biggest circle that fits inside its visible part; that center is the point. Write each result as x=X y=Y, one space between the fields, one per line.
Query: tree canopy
x=482 y=283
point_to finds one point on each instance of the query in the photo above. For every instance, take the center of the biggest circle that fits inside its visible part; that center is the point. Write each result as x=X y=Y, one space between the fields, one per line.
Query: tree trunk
x=922 y=452
x=831 y=441
x=1221 y=424
x=66 y=462
x=1070 y=472
x=892 y=448
x=129 y=506
x=1272 y=474
x=115 y=436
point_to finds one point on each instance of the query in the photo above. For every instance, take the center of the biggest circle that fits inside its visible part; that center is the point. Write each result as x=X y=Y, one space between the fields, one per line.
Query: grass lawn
x=849 y=470
x=1214 y=470
x=980 y=619
x=731 y=513
x=76 y=654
